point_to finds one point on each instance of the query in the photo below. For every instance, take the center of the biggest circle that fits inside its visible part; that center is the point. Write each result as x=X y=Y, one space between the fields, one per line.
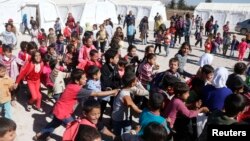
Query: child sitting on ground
x=7 y=129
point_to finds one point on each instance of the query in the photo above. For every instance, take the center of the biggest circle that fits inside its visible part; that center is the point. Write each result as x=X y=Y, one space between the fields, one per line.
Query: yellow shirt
x=5 y=84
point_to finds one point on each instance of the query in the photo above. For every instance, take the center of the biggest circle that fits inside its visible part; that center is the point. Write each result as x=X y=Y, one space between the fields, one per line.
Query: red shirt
x=92 y=63
x=64 y=107
x=208 y=46
x=1 y=50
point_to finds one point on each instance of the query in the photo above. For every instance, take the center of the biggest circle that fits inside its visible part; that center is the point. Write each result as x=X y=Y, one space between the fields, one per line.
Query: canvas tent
x=141 y=8
x=223 y=12
x=92 y=11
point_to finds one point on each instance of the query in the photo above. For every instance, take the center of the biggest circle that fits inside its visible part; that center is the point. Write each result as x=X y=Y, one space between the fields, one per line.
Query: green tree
x=181 y=4
x=208 y=1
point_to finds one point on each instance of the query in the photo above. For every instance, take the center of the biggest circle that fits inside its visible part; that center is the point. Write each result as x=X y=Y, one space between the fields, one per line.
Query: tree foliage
x=181 y=4
x=208 y=1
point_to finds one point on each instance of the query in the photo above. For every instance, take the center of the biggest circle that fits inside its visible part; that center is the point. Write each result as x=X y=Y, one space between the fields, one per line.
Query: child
x=167 y=40
x=42 y=36
x=226 y=43
x=45 y=75
x=90 y=116
x=31 y=71
x=208 y=45
x=60 y=44
x=51 y=51
x=34 y=34
x=207 y=73
x=51 y=36
x=67 y=33
x=218 y=41
x=215 y=27
x=152 y=114
x=110 y=78
x=95 y=42
x=146 y=71
x=198 y=37
x=234 y=45
x=57 y=77
x=7 y=130
x=6 y=85
x=102 y=37
x=121 y=66
x=121 y=122
x=64 y=107
x=94 y=76
x=177 y=104
x=158 y=41
x=242 y=47
x=94 y=60
x=88 y=133
x=173 y=68
x=43 y=48
x=85 y=50
x=182 y=57
x=11 y=62
x=132 y=57
x=57 y=26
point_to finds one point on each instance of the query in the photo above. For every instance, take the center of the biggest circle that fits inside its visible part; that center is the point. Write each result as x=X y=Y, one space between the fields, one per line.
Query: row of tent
x=91 y=11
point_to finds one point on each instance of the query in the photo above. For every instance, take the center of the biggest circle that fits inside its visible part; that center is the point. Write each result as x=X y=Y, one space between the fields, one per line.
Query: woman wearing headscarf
x=213 y=96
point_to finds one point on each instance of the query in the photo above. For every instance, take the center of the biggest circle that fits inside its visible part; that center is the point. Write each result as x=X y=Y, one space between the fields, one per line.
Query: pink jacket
x=45 y=77
x=84 y=53
x=242 y=47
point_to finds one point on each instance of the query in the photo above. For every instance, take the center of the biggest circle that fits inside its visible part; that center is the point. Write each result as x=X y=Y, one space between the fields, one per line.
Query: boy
x=51 y=36
x=60 y=44
x=152 y=114
x=64 y=107
x=207 y=73
x=173 y=67
x=94 y=61
x=7 y=130
x=234 y=45
x=6 y=86
x=110 y=78
x=90 y=117
x=57 y=26
x=198 y=37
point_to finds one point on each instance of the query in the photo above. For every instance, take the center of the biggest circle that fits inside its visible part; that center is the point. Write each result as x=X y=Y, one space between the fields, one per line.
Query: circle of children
x=91 y=77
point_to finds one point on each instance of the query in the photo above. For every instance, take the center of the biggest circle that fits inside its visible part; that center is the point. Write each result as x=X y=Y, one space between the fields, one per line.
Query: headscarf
x=206 y=59
x=88 y=27
x=220 y=77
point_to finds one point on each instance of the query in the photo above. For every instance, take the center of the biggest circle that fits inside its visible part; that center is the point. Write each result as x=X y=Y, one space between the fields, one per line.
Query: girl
x=94 y=75
x=242 y=47
x=146 y=71
x=67 y=33
x=34 y=34
x=158 y=41
x=122 y=104
x=182 y=57
x=167 y=40
x=132 y=57
x=45 y=76
x=94 y=60
x=23 y=55
x=43 y=48
x=85 y=50
x=208 y=45
x=102 y=37
x=119 y=33
x=143 y=27
x=32 y=71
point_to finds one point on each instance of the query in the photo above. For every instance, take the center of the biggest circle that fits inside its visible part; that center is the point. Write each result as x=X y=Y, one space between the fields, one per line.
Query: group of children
x=83 y=77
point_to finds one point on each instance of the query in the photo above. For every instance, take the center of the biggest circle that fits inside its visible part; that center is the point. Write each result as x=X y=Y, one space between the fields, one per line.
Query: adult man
x=130 y=21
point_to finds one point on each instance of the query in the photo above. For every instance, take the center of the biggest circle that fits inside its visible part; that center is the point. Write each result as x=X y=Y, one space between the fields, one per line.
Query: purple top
x=175 y=106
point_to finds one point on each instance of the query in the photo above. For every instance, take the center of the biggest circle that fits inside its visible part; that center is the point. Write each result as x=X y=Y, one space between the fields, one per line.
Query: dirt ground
x=28 y=123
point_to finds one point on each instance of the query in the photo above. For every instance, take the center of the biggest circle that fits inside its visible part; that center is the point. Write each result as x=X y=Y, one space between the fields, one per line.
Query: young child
x=67 y=33
x=7 y=130
x=215 y=27
x=94 y=76
x=94 y=60
x=102 y=37
x=121 y=114
x=51 y=51
x=6 y=85
x=95 y=42
x=64 y=107
x=43 y=48
x=51 y=36
x=88 y=133
x=121 y=66
x=173 y=68
x=34 y=34
x=57 y=26
x=177 y=104
x=42 y=36
x=84 y=55
x=218 y=40
x=90 y=116
x=152 y=113
x=132 y=57
x=226 y=43
x=158 y=41
x=234 y=45
x=45 y=75
x=166 y=41
x=110 y=78
x=242 y=47
x=208 y=45
x=60 y=44
x=146 y=71
x=182 y=57
x=198 y=37
x=32 y=72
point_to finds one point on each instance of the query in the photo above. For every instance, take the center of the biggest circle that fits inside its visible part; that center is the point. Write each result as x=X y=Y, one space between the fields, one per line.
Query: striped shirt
x=146 y=74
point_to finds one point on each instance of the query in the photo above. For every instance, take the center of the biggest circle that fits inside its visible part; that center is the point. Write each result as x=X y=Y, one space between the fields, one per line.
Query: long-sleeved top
x=57 y=26
x=234 y=44
x=182 y=61
x=9 y=38
x=84 y=53
x=59 y=47
x=177 y=106
x=242 y=47
x=57 y=77
x=110 y=77
x=146 y=74
x=5 y=84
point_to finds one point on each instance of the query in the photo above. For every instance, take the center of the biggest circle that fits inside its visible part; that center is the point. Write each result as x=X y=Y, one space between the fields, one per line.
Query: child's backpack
x=72 y=129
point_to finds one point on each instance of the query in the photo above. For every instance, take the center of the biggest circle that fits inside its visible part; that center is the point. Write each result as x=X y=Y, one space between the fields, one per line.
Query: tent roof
x=233 y=7
x=146 y=3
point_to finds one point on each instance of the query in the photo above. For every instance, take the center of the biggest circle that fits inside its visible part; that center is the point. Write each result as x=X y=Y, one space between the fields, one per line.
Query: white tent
x=141 y=8
x=91 y=11
x=223 y=12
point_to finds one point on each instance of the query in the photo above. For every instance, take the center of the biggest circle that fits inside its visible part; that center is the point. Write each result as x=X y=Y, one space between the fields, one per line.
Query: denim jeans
x=7 y=110
x=121 y=127
x=166 y=48
x=50 y=127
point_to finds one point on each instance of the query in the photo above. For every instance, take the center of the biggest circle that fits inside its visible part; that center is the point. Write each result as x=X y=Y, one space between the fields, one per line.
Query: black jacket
x=110 y=77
